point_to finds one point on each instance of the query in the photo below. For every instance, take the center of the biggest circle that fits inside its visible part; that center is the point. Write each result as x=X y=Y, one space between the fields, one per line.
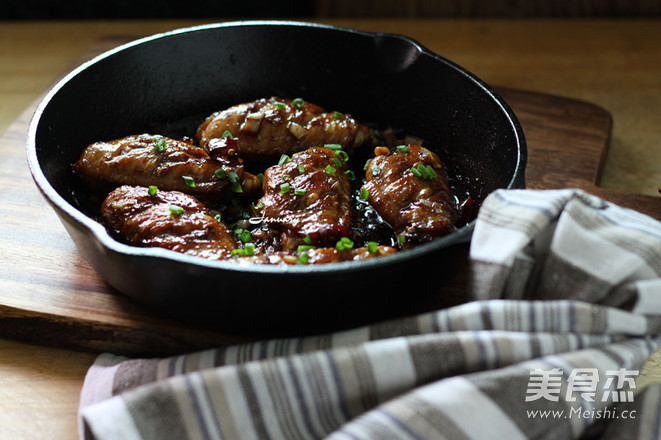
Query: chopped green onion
x=245 y=236
x=333 y=146
x=176 y=209
x=343 y=244
x=152 y=190
x=343 y=154
x=280 y=105
x=284 y=188
x=330 y=170
x=350 y=175
x=285 y=177
x=189 y=181
x=376 y=170
x=220 y=173
x=337 y=162
x=372 y=247
x=402 y=148
x=236 y=182
x=227 y=134
x=299 y=191
x=298 y=102
x=259 y=205
x=234 y=178
x=307 y=239
x=401 y=239
x=304 y=248
x=260 y=176
x=159 y=144
x=366 y=164
x=283 y=159
x=430 y=172
x=249 y=249
x=218 y=217
x=424 y=171
x=337 y=115
x=301 y=169
x=364 y=193
x=303 y=258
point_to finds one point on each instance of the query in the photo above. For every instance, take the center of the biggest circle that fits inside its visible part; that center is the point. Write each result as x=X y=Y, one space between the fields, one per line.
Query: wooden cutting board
x=50 y=295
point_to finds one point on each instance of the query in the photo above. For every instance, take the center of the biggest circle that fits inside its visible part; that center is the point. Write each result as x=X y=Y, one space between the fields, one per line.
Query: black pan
x=169 y=82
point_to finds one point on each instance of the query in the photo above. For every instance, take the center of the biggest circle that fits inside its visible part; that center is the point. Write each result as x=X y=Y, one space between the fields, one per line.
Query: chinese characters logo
x=547 y=384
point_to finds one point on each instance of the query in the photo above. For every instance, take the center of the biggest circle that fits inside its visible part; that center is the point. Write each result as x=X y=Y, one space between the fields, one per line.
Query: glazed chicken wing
x=308 y=196
x=267 y=128
x=409 y=190
x=169 y=164
x=166 y=219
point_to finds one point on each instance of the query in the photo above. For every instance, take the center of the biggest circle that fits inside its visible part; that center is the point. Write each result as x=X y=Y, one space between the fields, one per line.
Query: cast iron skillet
x=169 y=82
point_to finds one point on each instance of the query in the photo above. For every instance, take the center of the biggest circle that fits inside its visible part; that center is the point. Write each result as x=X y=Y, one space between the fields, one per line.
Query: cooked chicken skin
x=171 y=193
x=167 y=219
x=267 y=128
x=409 y=189
x=179 y=222
x=169 y=164
x=308 y=196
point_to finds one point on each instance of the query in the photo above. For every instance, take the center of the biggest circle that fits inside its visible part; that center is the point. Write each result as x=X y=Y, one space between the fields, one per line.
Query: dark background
x=144 y=9
x=252 y=9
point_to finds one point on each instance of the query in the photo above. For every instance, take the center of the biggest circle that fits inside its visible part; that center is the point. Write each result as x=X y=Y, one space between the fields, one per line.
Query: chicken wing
x=267 y=128
x=409 y=189
x=170 y=164
x=166 y=219
x=308 y=198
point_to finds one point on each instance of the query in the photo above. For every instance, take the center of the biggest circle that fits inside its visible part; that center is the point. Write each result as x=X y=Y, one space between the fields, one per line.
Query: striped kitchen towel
x=566 y=310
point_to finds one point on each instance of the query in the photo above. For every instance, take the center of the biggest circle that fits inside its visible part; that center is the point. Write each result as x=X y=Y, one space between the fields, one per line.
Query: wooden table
x=614 y=64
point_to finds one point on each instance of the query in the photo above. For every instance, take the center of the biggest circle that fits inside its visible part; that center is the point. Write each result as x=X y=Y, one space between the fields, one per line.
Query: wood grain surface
x=50 y=295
